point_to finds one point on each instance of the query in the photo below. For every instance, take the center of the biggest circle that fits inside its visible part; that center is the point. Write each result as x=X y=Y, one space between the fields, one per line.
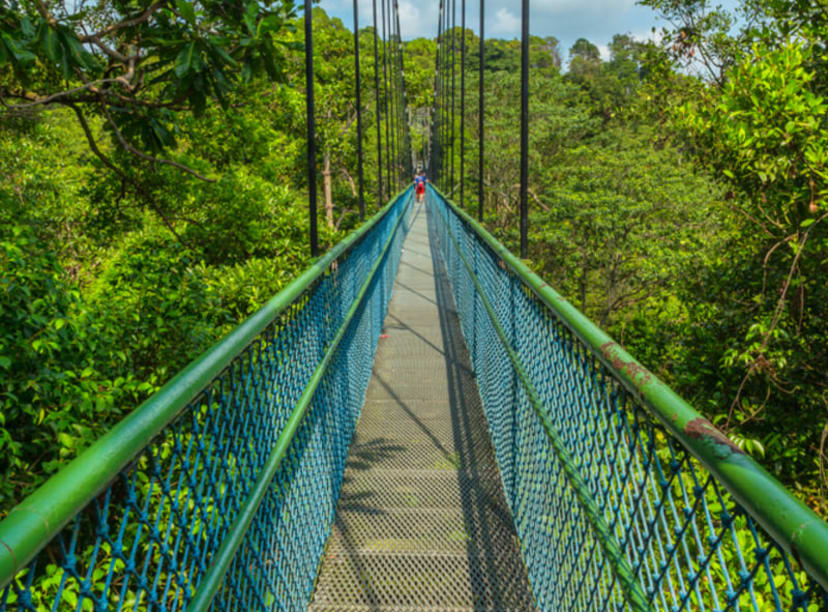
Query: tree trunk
x=326 y=183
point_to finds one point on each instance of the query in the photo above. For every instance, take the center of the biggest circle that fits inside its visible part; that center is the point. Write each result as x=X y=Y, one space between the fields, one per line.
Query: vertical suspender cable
x=480 y=119
x=524 y=128
x=385 y=98
x=395 y=94
x=453 y=28
x=434 y=162
x=395 y=91
x=359 y=114
x=405 y=145
x=392 y=105
x=444 y=96
x=309 y=109
x=380 y=200
x=405 y=159
x=437 y=125
x=462 y=96
x=446 y=85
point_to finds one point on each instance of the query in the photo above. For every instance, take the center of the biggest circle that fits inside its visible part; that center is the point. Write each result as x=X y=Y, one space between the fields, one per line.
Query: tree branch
x=125 y=24
x=128 y=147
x=57 y=97
x=108 y=163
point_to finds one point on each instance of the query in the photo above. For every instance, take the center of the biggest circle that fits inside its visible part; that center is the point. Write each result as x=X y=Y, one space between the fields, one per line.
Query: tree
x=759 y=125
x=136 y=65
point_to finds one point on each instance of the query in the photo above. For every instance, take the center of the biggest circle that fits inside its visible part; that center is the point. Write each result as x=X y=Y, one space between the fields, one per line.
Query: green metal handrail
x=793 y=525
x=36 y=520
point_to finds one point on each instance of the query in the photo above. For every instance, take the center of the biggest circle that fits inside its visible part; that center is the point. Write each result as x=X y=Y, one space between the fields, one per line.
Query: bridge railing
x=221 y=487
x=623 y=496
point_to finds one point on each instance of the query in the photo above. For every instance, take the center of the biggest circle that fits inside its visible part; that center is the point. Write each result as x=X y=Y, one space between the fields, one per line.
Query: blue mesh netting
x=147 y=539
x=689 y=544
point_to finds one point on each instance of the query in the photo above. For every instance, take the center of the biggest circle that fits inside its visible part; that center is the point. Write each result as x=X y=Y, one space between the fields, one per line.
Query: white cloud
x=416 y=20
x=604 y=51
x=505 y=24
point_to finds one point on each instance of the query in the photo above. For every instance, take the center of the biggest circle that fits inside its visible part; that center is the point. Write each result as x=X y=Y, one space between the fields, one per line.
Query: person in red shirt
x=420 y=181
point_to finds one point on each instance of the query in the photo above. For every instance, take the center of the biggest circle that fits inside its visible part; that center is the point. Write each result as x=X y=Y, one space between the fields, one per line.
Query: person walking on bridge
x=420 y=181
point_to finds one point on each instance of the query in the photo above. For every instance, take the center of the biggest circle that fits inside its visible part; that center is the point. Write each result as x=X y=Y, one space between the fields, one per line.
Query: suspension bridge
x=417 y=421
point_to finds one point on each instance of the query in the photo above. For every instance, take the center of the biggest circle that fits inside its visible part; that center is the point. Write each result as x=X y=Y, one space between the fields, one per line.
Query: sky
x=567 y=20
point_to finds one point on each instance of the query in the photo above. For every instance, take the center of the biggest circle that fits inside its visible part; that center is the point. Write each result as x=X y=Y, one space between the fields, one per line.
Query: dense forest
x=153 y=193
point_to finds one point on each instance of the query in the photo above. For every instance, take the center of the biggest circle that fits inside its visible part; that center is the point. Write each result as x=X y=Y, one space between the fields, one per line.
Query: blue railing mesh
x=146 y=541
x=689 y=545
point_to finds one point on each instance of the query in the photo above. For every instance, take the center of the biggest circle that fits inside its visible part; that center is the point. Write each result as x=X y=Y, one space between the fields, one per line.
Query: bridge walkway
x=421 y=521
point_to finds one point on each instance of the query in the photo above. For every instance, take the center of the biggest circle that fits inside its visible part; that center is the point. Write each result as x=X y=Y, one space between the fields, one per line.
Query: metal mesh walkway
x=421 y=520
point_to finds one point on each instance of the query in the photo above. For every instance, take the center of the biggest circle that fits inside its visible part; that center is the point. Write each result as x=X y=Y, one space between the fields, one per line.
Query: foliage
x=137 y=64
x=113 y=280
x=755 y=356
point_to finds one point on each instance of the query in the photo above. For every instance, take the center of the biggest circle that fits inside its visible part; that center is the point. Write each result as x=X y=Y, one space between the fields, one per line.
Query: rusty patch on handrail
x=639 y=375
x=702 y=429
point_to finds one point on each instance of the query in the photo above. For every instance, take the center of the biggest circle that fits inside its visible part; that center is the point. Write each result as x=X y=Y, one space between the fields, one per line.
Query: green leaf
x=16 y=48
x=81 y=55
x=184 y=61
x=806 y=223
x=27 y=27
x=250 y=17
x=271 y=23
x=66 y=440
x=5 y=362
x=223 y=54
x=50 y=45
x=65 y=66
x=187 y=10
x=246 y=72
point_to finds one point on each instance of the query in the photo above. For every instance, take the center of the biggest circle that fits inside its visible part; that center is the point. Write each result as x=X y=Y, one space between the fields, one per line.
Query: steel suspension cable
x=524 y=129
x=405 y=145
x=359 y=114
x=480 y=142
x=446 y=84
x=444 y=97
x=453 y=82
x=395 y=93
x=379 y=117
x=311 y=125
x=462 y=96
x=386 y=106
x=396 y=56
x=436 y=108
x=392 y=102
x=438 y=100
x=402 y=101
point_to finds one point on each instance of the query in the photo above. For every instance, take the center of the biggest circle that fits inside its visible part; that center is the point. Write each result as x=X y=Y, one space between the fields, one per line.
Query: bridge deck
x=421 y=521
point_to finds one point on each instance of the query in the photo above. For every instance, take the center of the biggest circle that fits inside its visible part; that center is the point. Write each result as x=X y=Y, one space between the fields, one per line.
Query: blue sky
x=567 y=20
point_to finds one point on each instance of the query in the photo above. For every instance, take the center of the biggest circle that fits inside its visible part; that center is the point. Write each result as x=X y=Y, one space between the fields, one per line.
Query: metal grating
x=421 y=521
